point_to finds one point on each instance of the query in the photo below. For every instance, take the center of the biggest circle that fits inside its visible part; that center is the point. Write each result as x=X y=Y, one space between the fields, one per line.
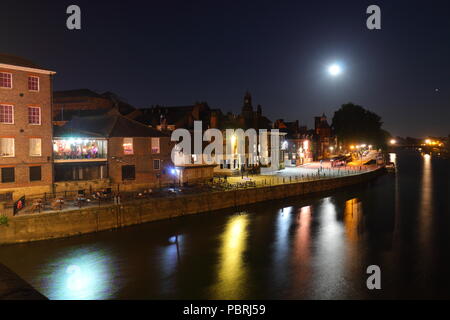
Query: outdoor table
x=58 y=203
x=37 y=205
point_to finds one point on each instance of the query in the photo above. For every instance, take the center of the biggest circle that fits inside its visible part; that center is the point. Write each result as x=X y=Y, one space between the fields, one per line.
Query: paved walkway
x=308 y=172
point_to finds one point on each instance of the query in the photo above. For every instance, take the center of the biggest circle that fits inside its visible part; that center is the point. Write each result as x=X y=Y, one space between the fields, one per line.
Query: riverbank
x=51 y=225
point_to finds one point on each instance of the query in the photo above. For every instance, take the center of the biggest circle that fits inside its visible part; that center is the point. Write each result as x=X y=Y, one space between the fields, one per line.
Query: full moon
x=334 y=70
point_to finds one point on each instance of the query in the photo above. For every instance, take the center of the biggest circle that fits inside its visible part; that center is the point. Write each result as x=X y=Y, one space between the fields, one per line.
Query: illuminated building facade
x=25 y=128
x=110 y=151
x=298 y=148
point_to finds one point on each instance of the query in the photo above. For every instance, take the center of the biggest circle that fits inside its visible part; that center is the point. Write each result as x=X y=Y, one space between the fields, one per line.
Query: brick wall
x=20 y=97
x=142 y=159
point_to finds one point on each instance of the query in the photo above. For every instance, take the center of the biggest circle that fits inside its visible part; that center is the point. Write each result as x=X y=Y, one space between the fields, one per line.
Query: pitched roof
x=108 y=125
x=178 y=115
x=76 y=93
x=17 y=61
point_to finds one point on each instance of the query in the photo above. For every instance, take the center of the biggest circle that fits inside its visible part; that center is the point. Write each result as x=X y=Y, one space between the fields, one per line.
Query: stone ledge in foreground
x=12 y=287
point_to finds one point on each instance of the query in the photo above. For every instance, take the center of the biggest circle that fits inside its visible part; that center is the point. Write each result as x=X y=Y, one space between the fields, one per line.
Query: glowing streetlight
x=335 y=70
x=393 y=141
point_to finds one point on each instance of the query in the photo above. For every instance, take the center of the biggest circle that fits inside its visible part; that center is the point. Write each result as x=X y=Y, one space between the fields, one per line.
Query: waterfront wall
x=50 y=225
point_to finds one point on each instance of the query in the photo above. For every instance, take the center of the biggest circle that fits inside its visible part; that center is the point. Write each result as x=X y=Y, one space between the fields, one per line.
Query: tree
x=353 y=125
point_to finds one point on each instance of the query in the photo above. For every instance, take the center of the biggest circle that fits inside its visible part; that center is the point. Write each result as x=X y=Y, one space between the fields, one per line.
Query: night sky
x=179 y=52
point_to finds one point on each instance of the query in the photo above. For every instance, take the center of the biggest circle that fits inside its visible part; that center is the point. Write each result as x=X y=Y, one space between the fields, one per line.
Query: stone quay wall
x=56 y=224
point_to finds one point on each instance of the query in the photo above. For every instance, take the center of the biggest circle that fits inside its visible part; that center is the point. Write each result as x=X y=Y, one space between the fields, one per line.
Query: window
x=156 y=164
x=128 y=172
x=35 y=173
x=5 y=80
x=33 y=83
x=35 y=147
x=34 y=115
x=128 y=145
x=155 y=145
x=80 y=171
x=7 y=196
x=6 y=147
x=6 y=114
x=8 y=175
x=66 y=149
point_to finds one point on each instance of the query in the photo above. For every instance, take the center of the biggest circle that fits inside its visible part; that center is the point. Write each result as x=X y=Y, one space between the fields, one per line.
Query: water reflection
x=315 y=247
x=170 y=260
x=301 y=256
x=330 y=255
x=426 y=205
x=81 y=275
x=282 y=235
x=303 y=238
x=352 y=219
x=282 y=245
x=426 y=214
x=232 y=273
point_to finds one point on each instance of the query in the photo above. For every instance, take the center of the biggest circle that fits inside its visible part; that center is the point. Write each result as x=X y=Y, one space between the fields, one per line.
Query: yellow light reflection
x=352 y=219
x=231 y=270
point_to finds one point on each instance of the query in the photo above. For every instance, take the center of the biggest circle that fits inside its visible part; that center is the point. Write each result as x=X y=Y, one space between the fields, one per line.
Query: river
x=317 y=247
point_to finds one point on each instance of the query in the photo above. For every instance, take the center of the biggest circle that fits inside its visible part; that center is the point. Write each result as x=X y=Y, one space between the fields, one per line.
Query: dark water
x=313 y=248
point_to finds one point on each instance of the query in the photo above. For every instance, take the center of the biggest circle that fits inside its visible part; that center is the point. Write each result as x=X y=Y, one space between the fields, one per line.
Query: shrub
x=3 y=220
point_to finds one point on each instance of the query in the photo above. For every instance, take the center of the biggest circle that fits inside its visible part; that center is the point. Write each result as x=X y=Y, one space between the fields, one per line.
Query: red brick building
x=25 y=127
x=110 y=151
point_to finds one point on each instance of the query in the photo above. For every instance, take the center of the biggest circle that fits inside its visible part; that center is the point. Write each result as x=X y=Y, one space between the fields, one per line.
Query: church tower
x=247 y=108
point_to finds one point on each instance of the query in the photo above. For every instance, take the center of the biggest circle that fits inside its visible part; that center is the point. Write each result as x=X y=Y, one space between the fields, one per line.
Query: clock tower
x=247 y=108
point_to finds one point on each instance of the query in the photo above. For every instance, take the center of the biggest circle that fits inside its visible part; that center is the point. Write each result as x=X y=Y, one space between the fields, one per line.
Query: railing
x=107 y=196
x=79 y=157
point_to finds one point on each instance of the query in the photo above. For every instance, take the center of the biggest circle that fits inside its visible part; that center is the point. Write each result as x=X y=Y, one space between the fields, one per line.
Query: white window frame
x=12 y=107
x=38 y=83
x=40 y=116
x=14 y=148
x=12 y=84
x=40 y=149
